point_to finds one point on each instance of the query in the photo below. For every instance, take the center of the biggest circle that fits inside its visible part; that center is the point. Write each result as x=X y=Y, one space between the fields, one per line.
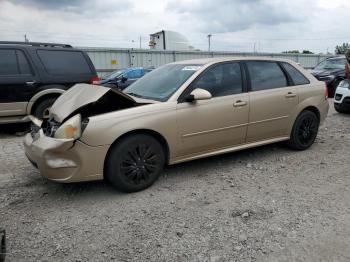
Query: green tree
x=341 y=49
x=291 y=52
x=307 y=52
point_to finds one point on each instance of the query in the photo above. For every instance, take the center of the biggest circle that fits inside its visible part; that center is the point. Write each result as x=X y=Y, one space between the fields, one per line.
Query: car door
x=272 y=99
x=17 y=82
x=219 y=122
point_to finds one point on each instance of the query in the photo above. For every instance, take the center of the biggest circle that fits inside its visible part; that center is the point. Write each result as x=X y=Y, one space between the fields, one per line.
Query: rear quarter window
x=297 y=77
x=57 y=62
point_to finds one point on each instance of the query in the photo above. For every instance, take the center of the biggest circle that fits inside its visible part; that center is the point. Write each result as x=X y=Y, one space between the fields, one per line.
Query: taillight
x=94 y=80
x=326 y=91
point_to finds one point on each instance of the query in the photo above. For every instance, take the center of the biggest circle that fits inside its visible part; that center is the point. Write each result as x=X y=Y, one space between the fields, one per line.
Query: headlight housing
x=344 y=84
x=71 y=129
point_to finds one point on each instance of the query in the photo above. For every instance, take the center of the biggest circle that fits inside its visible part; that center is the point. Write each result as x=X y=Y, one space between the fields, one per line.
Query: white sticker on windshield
x=191 y=68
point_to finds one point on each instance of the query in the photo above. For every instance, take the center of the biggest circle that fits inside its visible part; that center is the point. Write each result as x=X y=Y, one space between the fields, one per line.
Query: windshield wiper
x=136 y=95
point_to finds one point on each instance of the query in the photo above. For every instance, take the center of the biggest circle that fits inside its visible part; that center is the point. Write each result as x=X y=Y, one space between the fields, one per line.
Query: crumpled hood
x=78 y=96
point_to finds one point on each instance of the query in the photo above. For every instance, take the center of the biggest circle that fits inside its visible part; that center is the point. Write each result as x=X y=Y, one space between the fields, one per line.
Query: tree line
x=339 y=50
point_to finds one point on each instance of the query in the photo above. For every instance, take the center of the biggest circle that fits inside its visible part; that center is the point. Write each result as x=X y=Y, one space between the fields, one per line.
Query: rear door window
x=265 y=75
x=60 y=62
x=297 y=77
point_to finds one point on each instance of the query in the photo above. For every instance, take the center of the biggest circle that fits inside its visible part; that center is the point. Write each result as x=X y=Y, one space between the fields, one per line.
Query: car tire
x=304 y=131
x=338 y=109
x=41 y=110
x=2 y=245
x=135 y=163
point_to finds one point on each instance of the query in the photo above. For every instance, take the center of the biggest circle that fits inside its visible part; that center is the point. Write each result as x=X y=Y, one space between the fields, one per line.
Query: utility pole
x=26 y=39
x=140 y=42
x=209 y=36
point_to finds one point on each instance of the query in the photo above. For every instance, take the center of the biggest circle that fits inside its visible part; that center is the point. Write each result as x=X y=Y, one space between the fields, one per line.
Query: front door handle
x=30 y=83
x=239 y=103
x=290 y=95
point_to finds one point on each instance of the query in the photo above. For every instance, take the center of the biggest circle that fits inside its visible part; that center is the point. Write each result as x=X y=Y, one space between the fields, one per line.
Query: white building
x=169 y=40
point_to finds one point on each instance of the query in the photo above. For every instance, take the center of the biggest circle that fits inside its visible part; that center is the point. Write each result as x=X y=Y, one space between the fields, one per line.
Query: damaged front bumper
x=64 y=160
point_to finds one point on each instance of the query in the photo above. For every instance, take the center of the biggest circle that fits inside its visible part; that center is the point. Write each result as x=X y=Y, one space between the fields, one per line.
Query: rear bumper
x=65 y=160
x=13 y=119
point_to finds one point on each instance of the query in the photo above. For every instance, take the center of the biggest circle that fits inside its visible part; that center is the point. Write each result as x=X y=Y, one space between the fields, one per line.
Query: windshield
x=115 y=74
x=162 y=82
x=331 y=64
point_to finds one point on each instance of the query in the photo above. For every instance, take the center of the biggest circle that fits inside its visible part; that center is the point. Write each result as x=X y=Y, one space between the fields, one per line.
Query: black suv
x=332 y=72
x=34 y=75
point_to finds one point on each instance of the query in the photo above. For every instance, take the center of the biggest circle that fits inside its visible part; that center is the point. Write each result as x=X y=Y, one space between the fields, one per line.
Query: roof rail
x=35 y=44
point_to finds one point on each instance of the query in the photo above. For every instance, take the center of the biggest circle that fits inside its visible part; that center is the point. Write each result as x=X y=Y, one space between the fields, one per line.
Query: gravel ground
x=263 y=204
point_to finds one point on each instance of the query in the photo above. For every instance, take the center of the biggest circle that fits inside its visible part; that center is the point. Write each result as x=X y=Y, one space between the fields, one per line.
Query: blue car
x=122 y=78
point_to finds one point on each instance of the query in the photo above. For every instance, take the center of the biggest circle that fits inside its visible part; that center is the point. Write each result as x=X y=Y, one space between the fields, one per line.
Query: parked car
x=122 y=78
x=342 y=97
x=34 y=75
x=331 y=71
x=178 y=112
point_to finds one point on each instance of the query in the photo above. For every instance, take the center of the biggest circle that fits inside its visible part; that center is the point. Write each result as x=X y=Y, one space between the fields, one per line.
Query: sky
x=236 y=25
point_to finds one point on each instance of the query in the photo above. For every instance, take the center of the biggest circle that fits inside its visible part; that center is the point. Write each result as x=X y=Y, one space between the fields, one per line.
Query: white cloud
x=237 y=25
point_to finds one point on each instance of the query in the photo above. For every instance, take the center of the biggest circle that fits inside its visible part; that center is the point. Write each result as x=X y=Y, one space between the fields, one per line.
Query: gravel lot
x=264 y=204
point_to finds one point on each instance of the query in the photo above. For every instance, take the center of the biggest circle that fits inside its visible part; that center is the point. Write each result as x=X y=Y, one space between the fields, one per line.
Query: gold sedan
x=178 y=112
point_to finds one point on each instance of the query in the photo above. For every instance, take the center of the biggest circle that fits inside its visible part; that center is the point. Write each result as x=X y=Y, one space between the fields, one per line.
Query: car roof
x=205 y=61
x=34 y=45
x=336 y=57
x=127 y=69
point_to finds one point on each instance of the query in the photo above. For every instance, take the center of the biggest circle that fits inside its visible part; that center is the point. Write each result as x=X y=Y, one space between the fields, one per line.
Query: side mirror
x=198 y=94
x=124 y=79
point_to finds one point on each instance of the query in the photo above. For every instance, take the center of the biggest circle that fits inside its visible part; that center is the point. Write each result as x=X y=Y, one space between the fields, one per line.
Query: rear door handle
x=290 y=95
x=239 y=103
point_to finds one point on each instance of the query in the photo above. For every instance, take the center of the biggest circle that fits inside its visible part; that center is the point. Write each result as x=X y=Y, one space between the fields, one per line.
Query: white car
x=342 y=97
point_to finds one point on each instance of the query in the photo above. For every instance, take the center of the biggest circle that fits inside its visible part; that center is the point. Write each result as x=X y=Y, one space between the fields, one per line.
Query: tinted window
x=132 y=74
x=222 y=80
x=8 y=62
x=333 y=63
x=137 y=73
x=64 y=62
x=266 y=75
x=297 y=77
x=23 y=63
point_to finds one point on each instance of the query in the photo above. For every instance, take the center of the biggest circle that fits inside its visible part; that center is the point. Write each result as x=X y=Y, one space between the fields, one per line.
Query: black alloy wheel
x=138 y=163
x=307 y=130
x=135 y=163
x=304 y=131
